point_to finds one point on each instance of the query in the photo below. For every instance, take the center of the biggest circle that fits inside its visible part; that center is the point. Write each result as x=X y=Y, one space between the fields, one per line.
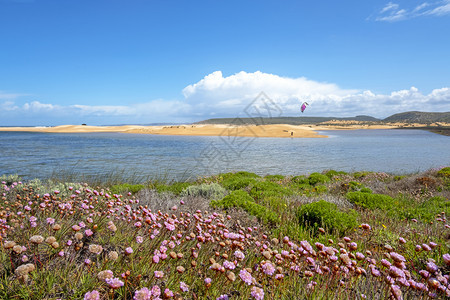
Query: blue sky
x=126 y=62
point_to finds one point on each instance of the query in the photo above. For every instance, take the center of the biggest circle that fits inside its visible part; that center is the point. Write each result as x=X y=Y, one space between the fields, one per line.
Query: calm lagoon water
x=43 y=155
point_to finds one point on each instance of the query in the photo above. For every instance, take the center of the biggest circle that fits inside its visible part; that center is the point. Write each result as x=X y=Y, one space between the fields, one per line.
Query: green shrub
x=211 y=191
x=49 y=186
x=316 y=178
x=240 y=174
x=237 y=183
x=370 y=201
x=320 y=189
x=358 y=175
x=126 y=187
x=243 y=200
x=175 y=188
x=366 y=190
x=274 y=178
x=263 y=189
x=327 y=215
x=428 y=209
x=355 y=186
x=275 y=203
x=444 y=172
x=332 y=173
x=300 y=179
x=399 y=177
x=9 y=179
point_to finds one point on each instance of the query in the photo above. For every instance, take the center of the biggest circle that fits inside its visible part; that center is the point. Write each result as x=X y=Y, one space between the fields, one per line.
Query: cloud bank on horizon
x=217 y=96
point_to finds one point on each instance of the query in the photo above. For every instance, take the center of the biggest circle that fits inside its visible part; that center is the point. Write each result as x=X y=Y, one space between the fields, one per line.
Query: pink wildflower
x=239 y=255
x=114 y=283
x=229 y=265
x=446 y=258
x=257 y=293
x=93 y=295
x=268 y=268
x=246 y=276
x=142 y=294
x=184 y=287
x=156 y=291
x=168 y=293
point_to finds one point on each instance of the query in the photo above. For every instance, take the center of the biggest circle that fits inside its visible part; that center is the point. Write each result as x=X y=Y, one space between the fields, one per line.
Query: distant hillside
x=286 y=120
x=406 y=117
x=419 y=117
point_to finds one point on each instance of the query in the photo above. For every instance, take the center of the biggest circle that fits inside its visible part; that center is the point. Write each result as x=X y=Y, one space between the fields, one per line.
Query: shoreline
x=271 y=130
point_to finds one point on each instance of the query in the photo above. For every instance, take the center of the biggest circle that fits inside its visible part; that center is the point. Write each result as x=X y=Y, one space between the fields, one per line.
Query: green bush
x=275 y=203
x=366 y=190
x=357 y=186
x=9 y=179
x=327 y=215
x=126 y=187
x=243 y=200
x=428 y=209
x=175 y=188
x=399 y=177
x=358 y=175
x=240 y=174
x=316 y=178
x=300 y=179
x=49 y=186
x=211 y=191
x=263 y=189
x=320 y=189
x=274 y=178
x=237 y=183
x=370 y=201
x=332 y=173
x=444 y=172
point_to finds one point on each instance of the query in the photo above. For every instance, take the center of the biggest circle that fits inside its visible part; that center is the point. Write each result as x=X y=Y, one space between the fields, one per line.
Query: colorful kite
x=304 y=106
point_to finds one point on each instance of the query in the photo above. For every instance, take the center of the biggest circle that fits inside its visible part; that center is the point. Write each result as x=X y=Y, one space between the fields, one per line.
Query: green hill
x=285 y=120
x=419 y=117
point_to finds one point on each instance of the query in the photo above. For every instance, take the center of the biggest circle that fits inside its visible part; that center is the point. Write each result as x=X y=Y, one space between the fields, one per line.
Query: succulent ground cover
x=329 y=235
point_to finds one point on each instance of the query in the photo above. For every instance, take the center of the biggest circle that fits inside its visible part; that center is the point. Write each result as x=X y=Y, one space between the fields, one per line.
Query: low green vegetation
x=246 y=202
x=302 y=237
x=323 y=214
x=370 y=201
x=125 y=188
x=211 y=191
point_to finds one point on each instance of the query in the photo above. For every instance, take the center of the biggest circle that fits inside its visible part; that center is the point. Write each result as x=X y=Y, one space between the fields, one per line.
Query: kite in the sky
x=304 y=106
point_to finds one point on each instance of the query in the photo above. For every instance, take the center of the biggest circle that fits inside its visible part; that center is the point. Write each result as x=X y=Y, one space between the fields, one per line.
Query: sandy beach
x=195 y=130
x=273 y=130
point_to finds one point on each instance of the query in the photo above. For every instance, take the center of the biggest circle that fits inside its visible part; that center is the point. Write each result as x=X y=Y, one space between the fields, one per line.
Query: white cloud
x=36 y=106
x=9 y=96
x=8 y=106
x=443 y=9
x=234 y=96
x=390 y=6
x=229 y=96
x=392 y=12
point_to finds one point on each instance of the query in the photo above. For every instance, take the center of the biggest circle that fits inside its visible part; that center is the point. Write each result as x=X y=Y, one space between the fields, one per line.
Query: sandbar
x=281 y=130
x=267 y=130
